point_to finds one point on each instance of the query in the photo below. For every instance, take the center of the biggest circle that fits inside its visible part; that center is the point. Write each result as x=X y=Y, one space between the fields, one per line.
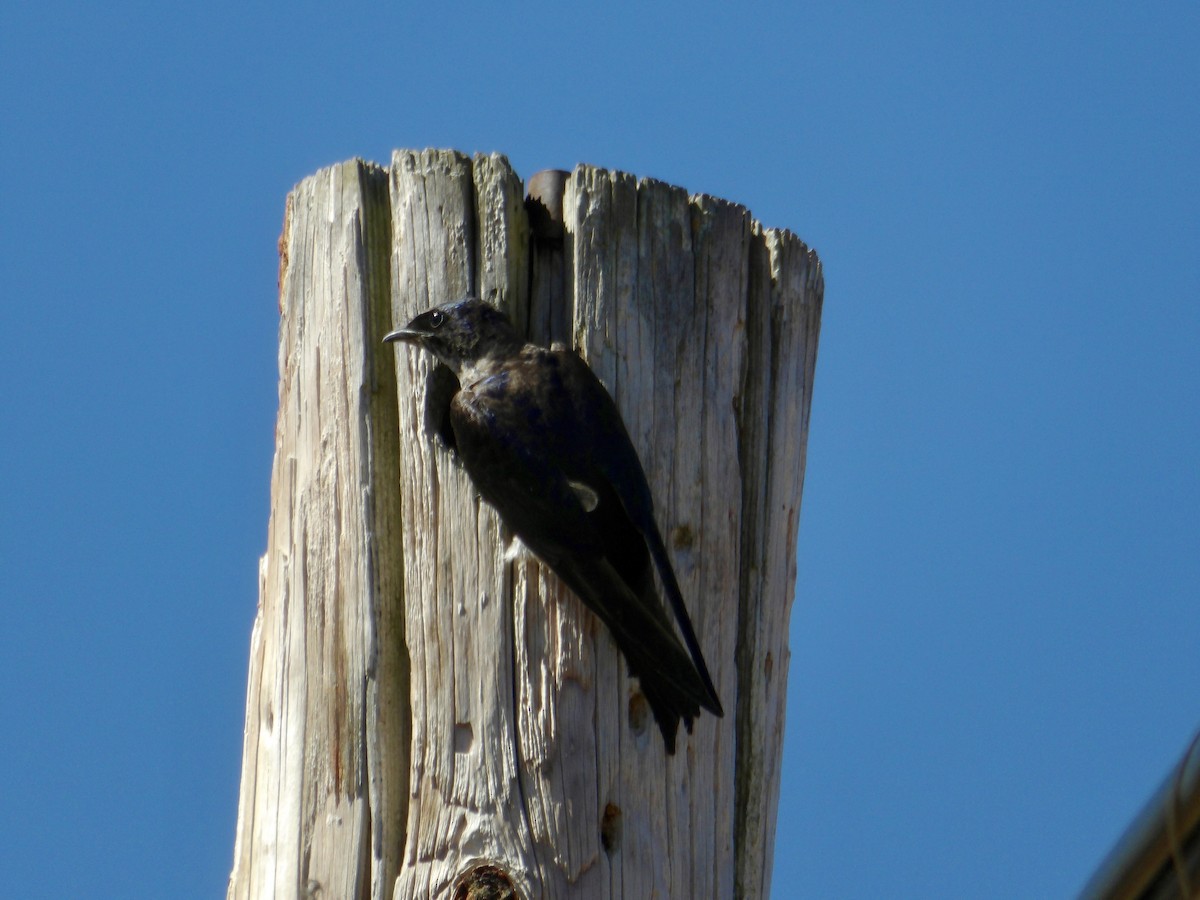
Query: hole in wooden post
x=639 y=712
x=485 y=883
x=464 y=737
x=683 y=538
x=610 y=829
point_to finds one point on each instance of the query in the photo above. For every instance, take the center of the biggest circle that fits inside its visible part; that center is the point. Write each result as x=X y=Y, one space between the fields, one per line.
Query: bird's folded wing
x=535 y=499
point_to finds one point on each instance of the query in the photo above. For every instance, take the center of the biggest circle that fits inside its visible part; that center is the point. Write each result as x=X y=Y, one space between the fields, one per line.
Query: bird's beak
x=408 y=335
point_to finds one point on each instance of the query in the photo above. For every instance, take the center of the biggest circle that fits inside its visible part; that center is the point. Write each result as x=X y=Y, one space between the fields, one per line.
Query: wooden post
x=425 y=719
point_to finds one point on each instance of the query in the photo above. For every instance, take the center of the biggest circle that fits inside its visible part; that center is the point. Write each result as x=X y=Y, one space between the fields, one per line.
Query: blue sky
x=994 y=639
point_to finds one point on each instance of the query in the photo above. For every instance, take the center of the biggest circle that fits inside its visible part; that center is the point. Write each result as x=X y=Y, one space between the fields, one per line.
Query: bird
x=543 y=443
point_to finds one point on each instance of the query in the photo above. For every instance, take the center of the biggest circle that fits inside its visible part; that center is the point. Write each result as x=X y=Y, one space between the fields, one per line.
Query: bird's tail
x=665 y=700
x=673 y=688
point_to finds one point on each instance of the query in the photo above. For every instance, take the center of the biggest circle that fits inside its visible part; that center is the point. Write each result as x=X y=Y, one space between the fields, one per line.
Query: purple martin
x=544 y=444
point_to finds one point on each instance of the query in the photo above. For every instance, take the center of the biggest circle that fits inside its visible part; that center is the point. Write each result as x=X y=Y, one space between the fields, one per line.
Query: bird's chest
x=521 y=411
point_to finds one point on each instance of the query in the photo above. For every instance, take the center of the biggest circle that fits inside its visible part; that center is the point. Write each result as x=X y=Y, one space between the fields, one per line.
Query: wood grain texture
x=783 y=320
x=323 y=695
x=656 y=279
x=464 y=781
x=422 y=712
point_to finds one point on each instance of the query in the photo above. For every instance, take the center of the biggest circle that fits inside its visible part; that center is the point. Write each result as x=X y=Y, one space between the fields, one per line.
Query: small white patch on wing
x=588 y=497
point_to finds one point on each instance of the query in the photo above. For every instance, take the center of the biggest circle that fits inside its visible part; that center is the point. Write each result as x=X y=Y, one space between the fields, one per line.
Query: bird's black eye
x=436 y=318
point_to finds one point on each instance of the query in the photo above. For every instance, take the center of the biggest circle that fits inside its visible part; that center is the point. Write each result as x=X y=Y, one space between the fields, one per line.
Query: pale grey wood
x=307 y=804
x=420 y=709
x=389 y=679
x=657 y=278
x=466 y=808
x=783 y=318
x=502 y=241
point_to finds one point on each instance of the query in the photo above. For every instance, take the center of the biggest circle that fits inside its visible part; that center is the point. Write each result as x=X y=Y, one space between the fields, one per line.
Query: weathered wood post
x=425 y=719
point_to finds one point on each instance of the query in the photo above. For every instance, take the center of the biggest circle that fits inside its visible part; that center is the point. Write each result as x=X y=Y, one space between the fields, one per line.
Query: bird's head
x=460 y=333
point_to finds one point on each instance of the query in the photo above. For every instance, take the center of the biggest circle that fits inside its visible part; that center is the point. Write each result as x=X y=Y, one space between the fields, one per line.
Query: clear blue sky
x=995 y=653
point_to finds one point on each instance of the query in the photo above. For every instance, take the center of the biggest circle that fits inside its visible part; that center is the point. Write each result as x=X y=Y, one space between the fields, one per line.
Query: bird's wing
x=509 y=464
x=614 y=465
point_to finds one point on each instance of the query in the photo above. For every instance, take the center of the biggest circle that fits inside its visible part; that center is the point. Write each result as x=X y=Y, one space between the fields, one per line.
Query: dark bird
x=544 y=444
